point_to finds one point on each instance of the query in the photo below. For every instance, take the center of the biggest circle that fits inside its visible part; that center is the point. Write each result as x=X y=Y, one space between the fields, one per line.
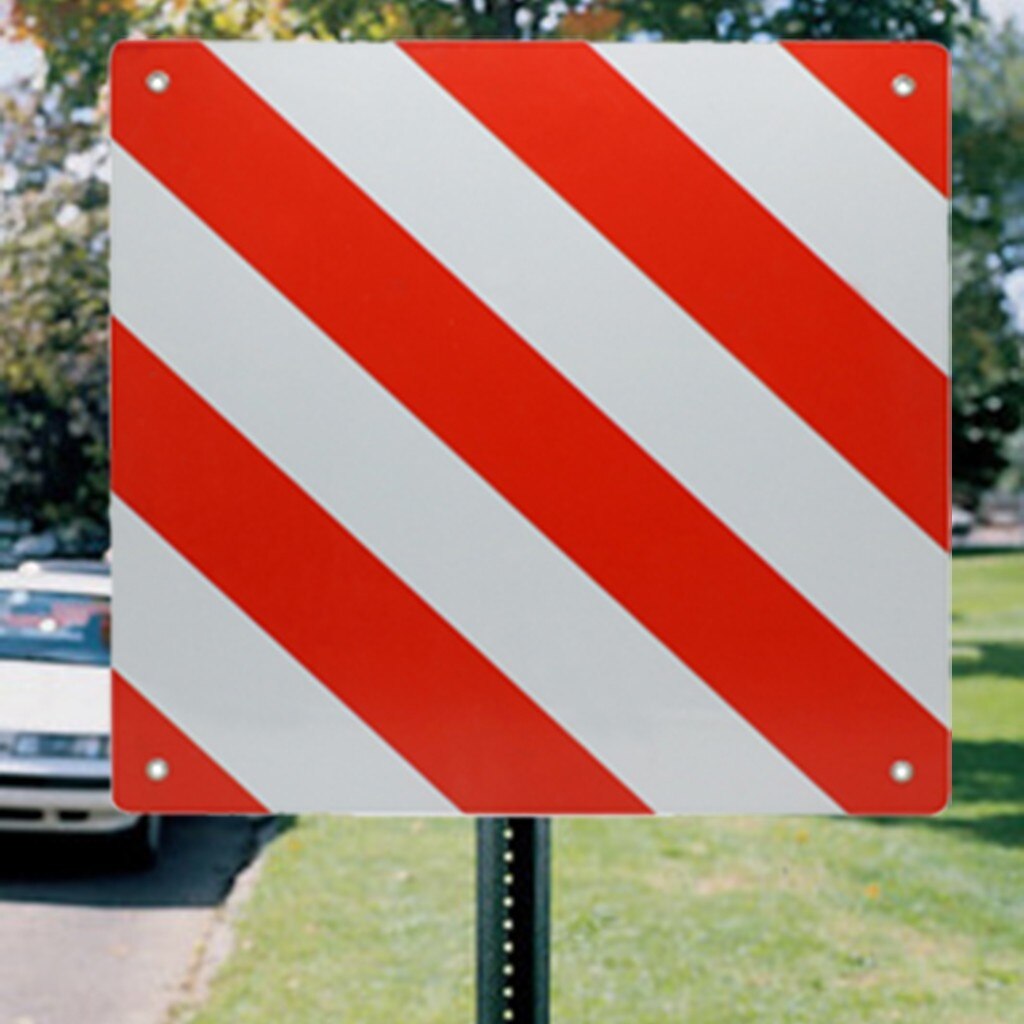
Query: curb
x=217 y=942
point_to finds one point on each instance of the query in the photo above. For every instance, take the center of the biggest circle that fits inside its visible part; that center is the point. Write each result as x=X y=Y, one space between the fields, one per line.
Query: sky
x=999 y=10
x=18 y=60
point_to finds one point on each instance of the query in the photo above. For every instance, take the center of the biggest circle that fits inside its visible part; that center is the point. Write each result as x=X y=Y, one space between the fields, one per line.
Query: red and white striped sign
x=531 y=428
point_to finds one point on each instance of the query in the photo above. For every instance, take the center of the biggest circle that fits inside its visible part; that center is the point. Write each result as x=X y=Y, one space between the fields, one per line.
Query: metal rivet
x=508 y=833
x=508 y=1015
x=508 y=947
x=901 y=771
x=158 y=81
x=508 y=901
x=509 y=857
x=904 y=86
x=507 y=925
x=508 y=992
x=157 y=769
x=508 y=879
x=508 y=969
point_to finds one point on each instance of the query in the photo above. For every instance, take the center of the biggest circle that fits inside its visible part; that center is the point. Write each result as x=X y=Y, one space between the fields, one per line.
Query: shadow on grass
x=988 y=771
x=994 y=658
x=986 y=552
x=984 y=772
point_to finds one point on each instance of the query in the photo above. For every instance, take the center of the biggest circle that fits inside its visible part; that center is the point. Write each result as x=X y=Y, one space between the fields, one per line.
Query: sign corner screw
x=904 y=85
x=158 y=81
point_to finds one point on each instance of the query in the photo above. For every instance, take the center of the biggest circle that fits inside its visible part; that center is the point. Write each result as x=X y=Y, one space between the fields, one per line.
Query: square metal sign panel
x=531 y=428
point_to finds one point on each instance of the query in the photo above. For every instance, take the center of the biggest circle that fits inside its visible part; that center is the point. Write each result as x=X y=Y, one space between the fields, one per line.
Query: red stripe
x=861 y=75
x=489 y=396
x=711 y=246
x=196 y=783
x=339 y=611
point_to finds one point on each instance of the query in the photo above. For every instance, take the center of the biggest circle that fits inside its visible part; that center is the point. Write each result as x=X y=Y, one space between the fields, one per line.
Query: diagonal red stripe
x=736 y=269
x=862 y=75
x=196 y=781
x=465 y=374
x=337 y=609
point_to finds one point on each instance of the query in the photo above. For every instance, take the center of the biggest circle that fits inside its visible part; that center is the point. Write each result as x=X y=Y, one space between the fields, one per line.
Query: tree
x=53 y=219
x=943 y=21
x=53 y=336
x=988 y=233
x=54 y=244
x=53 y=310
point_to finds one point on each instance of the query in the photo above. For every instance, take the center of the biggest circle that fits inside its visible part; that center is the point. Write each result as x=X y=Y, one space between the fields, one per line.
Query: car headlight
x=36 y=744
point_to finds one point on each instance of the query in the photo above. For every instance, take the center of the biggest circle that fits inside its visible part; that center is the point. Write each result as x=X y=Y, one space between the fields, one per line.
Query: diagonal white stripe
x=803 y=154
x=427 y=516
x=241 y=697
x=623 y=343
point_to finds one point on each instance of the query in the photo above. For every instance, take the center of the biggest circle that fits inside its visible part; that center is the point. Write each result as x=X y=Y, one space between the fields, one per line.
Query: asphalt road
x=84 y=943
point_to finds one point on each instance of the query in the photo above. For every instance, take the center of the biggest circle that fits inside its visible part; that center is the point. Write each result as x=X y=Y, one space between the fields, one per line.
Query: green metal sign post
x=513 y=924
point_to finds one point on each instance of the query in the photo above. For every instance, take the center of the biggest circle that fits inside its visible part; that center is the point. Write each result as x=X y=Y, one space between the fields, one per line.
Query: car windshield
x=39 y=625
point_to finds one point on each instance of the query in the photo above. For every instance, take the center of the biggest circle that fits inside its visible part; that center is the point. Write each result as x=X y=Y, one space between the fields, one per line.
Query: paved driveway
x=81 y=943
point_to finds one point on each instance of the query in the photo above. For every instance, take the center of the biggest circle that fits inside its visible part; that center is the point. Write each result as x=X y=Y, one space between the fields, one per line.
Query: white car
x=55 y=707
x=962 y=522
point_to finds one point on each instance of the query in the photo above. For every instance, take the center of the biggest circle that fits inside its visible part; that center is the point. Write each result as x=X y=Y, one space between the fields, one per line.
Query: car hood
x=37 y=696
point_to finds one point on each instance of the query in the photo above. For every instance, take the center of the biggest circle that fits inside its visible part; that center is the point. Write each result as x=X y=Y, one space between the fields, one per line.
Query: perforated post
x=513 y=920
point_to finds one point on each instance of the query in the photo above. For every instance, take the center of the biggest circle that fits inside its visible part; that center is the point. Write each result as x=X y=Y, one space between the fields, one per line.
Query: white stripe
x=247 y=702
x=623 y=343
x=431 y=519
x=803 y=154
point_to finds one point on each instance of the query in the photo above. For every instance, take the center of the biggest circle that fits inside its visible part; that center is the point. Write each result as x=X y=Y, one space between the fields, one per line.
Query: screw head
x=158 y=81
x=904 y=86
x=157 y=769
x=901 y=771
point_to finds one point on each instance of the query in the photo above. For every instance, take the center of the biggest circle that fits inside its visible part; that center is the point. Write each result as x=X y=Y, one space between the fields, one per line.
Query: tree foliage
x=988 y=233
x=54 y=192
x=53 y=339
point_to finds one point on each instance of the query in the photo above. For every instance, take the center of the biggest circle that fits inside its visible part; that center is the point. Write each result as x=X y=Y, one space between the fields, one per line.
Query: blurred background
x=54 y=187
x=105 y=918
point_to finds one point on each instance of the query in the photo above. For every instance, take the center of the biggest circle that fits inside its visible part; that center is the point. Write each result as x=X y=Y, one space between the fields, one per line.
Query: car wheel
x=139 y=847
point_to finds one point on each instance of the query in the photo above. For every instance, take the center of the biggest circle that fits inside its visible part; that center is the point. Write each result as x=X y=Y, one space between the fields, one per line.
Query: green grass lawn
x=691 y=920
